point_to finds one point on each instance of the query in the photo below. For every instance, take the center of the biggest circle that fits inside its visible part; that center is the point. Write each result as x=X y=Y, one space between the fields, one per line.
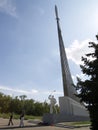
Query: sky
x=29 y=48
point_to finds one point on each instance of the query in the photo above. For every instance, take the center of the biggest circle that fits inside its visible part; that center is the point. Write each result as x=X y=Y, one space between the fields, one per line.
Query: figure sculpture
x=52 y=104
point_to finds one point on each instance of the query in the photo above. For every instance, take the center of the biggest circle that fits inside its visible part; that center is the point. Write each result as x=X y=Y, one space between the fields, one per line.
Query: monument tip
x=56 y=12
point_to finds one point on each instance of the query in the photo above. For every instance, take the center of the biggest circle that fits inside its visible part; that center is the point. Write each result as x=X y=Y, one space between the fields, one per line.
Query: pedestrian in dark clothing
x=10 y=119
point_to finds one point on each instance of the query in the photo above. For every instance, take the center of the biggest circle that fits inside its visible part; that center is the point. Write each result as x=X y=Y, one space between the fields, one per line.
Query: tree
x=88 y=88
x=19 y=104
x=4 y=103
x=22 y=97
x=29 y=107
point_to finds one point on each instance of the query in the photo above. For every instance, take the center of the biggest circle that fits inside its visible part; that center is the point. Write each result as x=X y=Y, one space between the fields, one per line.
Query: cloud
x=5 y=88
x=37 y=95
x=56 y=93
x=6 y=6
x=78 y=49
x=33 y=91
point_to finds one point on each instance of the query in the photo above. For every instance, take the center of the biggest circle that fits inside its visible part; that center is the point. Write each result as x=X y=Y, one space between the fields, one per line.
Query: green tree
x=38 y=109
x=22 y=97
x=46 y=107
x=29 y=107
x=16 y=105
x=19 y=104
x=4 y=103
x=88 y=88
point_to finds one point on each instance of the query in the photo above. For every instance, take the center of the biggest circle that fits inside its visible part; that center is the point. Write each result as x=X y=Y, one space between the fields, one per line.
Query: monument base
x=70 y=111
x=69 y=106
x=57 y=118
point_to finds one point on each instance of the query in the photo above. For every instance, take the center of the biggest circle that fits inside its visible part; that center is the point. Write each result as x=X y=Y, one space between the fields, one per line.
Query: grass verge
x=15 y=116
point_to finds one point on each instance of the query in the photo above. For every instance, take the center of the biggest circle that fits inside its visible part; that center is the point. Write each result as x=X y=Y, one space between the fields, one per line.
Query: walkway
x=34 y=126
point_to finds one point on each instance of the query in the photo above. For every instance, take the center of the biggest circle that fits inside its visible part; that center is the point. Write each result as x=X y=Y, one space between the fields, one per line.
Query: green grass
x=81 y=123
x=78 y=123
x=15 y=116
x=32 y=117
x=3 y=115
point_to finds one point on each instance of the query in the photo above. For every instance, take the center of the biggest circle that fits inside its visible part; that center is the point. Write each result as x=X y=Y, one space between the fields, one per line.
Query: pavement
x=35 y=125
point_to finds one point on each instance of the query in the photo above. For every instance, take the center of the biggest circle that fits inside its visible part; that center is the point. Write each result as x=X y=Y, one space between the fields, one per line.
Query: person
x=22 y=119
x=10 y=119
x=52 y=103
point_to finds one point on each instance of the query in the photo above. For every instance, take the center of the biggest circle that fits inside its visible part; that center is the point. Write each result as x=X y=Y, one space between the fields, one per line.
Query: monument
x=70 y=107
x=52 y=104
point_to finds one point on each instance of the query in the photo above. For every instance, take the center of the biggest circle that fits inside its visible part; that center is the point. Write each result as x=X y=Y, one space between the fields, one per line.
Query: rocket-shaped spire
x=56 y=12
x=68 y=88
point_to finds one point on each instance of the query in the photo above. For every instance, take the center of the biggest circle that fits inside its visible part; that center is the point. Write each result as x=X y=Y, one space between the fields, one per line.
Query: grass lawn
x=81 y=123
x=15 y=116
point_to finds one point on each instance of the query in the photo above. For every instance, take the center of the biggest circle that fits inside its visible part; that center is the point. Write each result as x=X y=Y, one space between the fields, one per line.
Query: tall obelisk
x=68 y=88
x=69 y=104
x=70 y=107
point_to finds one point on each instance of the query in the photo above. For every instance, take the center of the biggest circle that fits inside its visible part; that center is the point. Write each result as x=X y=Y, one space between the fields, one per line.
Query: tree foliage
x=88 y=88
x=18 y=104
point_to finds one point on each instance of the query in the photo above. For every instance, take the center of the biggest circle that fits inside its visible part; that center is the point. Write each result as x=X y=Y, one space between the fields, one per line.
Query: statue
x=52 y=103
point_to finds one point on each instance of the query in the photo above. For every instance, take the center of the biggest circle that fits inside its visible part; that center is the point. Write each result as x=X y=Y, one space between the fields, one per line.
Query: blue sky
x=29 y=49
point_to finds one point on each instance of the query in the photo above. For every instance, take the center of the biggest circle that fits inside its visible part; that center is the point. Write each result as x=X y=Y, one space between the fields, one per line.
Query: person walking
x=11 y=119
x=21 y=119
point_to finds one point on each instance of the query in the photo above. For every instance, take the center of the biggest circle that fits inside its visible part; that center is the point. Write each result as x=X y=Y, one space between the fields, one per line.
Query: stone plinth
x=69 y=106
x=70 y=110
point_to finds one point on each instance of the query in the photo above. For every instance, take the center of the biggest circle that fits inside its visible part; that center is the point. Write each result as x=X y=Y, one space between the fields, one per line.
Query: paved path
x=34 y=126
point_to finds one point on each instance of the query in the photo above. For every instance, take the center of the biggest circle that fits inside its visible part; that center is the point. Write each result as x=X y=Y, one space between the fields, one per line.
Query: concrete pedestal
x=70 y=110
x=69 y=106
